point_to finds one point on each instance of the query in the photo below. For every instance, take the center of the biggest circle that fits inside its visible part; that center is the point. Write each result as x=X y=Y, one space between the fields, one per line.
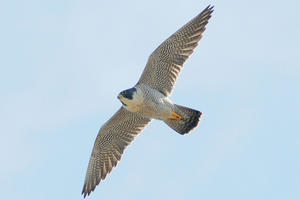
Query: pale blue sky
x=64 y=62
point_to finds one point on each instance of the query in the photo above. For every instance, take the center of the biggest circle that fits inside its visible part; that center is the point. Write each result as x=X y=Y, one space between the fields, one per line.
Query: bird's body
x=149 y=103
x=147 y=100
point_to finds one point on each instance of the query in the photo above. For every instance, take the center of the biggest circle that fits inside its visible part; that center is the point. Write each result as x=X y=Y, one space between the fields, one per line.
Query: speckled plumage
x=148 y=100
x=166 y=61
x=113 y=137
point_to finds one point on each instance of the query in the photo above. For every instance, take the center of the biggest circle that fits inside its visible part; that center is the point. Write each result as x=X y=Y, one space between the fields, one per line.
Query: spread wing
x=166 y=61
x=113 y=137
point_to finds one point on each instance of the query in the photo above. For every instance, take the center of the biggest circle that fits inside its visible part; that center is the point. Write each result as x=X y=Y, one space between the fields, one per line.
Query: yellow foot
x=174 y=115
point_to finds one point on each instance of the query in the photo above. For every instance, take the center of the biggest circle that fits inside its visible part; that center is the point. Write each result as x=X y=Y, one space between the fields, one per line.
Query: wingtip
x=88 y=189
x=210 y=8
x=83 y=193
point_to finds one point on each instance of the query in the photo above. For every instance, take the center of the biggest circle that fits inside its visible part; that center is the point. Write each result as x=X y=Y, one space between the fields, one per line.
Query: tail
x=189 y=119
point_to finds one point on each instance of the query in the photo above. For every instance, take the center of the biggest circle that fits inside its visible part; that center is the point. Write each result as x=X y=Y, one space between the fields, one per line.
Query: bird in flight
x=148 y=100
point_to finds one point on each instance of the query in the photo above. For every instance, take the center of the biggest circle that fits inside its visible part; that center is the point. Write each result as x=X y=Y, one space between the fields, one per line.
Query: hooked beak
x=121 y=97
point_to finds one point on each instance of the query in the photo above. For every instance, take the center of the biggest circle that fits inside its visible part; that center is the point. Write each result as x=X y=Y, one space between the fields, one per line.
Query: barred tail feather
x=190 y=119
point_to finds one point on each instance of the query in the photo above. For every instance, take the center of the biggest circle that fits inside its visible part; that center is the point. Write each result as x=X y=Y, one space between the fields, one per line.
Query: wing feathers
x=111 y=141
x=159 y=72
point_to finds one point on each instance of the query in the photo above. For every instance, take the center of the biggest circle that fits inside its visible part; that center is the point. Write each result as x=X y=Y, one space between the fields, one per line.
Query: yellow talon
x=174 y=115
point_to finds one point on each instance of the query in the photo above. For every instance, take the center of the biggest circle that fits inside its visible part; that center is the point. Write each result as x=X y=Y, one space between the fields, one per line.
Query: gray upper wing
x=166 y=61
x=113 y=137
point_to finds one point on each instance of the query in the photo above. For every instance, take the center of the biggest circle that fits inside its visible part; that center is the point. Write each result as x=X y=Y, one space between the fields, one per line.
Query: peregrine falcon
x=148 y=100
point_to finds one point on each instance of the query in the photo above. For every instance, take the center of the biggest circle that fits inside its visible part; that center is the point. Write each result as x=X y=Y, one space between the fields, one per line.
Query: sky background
x=63 y=64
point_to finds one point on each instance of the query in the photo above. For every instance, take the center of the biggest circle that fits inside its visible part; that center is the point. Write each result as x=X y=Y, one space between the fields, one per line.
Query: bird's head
x=127 y=96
